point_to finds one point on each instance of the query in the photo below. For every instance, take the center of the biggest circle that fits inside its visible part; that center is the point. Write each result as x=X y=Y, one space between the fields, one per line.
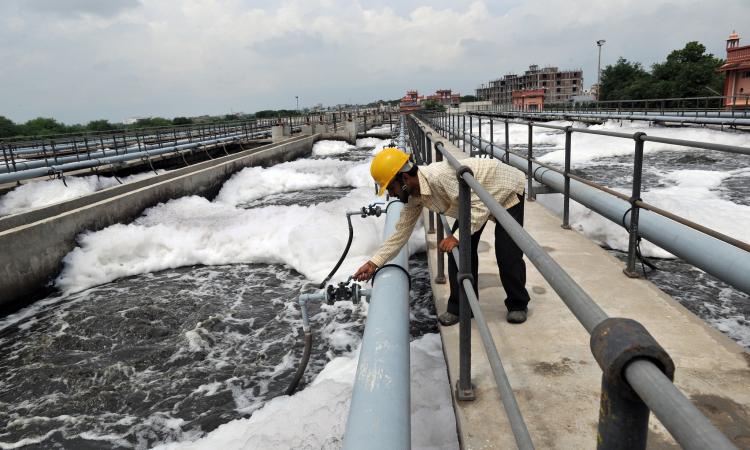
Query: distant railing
x=735 y=106
x=637 y=371
x=723 y=256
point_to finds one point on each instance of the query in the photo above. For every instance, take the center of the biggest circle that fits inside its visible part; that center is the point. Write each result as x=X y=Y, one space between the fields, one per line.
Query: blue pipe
x=380 y=411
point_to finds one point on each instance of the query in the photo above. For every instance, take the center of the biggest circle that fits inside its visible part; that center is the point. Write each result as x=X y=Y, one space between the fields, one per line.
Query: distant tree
x=623 y=80
x=181 y=121
x=100 y=125
x=469 y=98
x=689 y=72
x=8 y=128
x=42 y=125
x=433 y=105
x=152 y=122
x=231 y=117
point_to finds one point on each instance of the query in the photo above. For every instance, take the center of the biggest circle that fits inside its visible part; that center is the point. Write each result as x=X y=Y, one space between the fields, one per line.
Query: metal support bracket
x=623 y=416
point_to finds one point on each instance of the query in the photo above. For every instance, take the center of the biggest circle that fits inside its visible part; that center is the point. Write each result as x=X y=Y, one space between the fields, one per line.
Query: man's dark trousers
x=509 y=261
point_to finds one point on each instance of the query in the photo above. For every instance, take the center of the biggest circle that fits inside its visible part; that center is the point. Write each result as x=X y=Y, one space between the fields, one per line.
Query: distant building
x=410 y=102
x=737 y=69
x=445 y=97
x=528 y=99
x=558 y=86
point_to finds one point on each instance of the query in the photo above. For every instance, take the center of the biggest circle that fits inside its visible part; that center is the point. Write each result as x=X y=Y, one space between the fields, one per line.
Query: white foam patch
x=695 y=196
x=377 y=144
x=37 y=194
x=328 y=148
x=192 y=230
x=253 y=183
x=590 y=147
x=315 y=417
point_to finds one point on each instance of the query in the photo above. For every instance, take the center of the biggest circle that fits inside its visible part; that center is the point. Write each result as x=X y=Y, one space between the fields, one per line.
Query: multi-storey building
x=558 y=86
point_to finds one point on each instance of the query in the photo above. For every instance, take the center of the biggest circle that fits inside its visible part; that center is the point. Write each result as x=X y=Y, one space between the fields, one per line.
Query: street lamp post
x=599 y=44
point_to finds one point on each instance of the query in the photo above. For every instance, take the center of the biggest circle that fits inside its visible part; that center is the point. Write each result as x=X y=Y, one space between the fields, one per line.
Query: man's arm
x=404 y=227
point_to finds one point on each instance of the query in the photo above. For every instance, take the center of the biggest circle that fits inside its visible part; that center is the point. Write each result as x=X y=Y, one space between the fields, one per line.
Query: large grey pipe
x=26 y=165
x=380 y=411
x=629 y=116
x=722 y=260
x=88 y=163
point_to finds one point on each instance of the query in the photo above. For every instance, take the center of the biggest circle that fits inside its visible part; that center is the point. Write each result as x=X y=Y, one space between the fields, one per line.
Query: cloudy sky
x=79 y=60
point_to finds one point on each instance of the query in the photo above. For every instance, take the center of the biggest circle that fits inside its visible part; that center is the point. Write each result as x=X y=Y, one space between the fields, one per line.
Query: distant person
x=435 y=187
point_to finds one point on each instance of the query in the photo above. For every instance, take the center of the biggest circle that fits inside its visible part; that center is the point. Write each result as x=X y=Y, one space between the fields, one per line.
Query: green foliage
x=689 y=72
x=152 y=122
x=469 y=98
x=269 y=113
x=433 y=105
x=8 y=128
x=100 y=125
x=42 y=125
x=181 y=121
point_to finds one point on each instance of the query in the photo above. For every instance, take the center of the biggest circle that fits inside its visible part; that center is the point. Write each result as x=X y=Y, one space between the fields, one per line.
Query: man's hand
x=365 y=272
x=447 y=244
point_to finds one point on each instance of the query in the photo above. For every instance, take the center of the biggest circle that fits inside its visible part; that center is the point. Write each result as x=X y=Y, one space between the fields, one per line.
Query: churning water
x=168 y=327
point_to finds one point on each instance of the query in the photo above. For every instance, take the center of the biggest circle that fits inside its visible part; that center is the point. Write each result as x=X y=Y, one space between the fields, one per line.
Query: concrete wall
x=33 y=244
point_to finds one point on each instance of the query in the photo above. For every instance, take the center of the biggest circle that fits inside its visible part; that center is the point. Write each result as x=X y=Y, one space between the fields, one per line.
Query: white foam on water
x=315 y=418
x=193 y=230
x=37 y=194
x=694 y=195
x=376 y=144
x=328 y=148
x=590 y=147
x=253 y=183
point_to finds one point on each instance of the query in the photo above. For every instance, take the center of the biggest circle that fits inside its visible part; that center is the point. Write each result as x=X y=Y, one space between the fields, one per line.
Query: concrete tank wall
x=32 y=245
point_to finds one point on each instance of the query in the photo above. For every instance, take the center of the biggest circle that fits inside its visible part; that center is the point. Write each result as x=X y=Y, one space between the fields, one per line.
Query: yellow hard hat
x=386 y=165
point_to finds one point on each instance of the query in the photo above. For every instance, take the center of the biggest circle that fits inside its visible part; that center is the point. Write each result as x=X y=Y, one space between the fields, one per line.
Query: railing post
x=478 y=151
x=566 y=192
x=530 y=193
x=636 y=196
x=428 y=160
x=507 y=143
x=623 y=416
x=463 y=135
x=440 y=276
x=471 y=136
x=492 y=136
x=464 y=388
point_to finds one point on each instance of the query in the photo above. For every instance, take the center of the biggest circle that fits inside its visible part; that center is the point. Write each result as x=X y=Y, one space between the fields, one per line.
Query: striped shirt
x=438 y=187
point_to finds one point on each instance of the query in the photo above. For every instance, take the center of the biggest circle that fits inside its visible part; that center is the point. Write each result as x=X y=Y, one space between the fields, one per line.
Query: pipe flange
x=462 y=170
x=638 y=135
x=617 y=341
x=460 y=277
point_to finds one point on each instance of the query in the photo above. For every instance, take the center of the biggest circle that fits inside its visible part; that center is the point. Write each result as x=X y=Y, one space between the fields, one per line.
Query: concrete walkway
x=554 y=376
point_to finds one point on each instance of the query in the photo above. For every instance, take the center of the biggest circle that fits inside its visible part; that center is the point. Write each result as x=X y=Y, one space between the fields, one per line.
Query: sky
x=81 y=60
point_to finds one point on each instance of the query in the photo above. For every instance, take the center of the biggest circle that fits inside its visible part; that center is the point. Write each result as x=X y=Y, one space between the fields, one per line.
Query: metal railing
x=735 y=106
x=723 y=256
x=637 y=371
x=24 y=158
x=380 y=412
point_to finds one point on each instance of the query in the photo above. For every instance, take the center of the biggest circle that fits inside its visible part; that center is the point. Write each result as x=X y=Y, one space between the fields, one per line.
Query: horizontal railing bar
x=645 y=376
x=678 y=414
x=588 y=313
x=655 y=209
x=508 y=398
x=682 y=142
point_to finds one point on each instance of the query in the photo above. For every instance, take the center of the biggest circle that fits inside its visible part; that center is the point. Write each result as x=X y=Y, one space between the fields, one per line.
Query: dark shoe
x=518 y=316
x=447 y=319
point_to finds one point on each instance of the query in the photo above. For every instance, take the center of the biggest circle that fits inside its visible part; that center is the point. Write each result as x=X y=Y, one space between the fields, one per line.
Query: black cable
x=302 y=364
x=343 y=255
